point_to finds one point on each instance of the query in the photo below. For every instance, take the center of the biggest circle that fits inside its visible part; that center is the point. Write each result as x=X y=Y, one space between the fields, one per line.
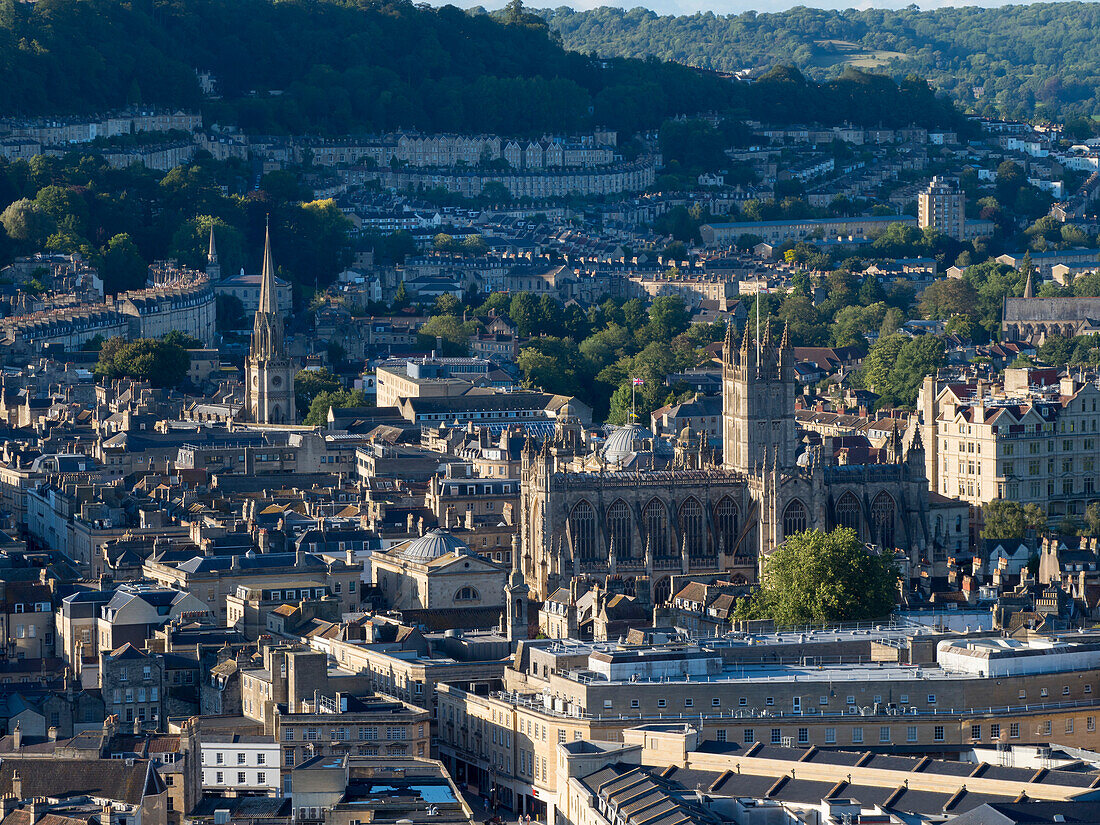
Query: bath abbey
x=639 y=510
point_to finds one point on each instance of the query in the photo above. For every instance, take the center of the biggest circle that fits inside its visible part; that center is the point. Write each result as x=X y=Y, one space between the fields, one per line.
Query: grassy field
x=830 y=53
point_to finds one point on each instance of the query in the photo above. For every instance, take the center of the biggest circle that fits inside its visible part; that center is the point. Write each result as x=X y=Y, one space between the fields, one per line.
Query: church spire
x=269 y=387
x=213 y=268
x=212 y=250
x=268 y=301
x=267 y=330
x=1029 y=289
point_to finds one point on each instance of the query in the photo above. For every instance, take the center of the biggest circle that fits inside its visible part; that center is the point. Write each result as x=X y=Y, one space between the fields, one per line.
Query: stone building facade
x=132 y=684
x=1034 y=319
x=599 y=516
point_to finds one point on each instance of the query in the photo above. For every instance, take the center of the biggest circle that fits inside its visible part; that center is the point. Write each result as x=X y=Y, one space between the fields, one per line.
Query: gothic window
x=691 y=526
x=795 y=518
x=882 y=519
x=847 y=512
x=725 y=524
x=619 y=531
x=662 y=591
x=655 y=518
x=582 y=527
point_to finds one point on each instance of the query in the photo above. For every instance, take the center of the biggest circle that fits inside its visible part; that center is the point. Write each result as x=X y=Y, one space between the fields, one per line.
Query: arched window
x=655 y=518
x=691 y=526
x=467 y=594
x=662 y=591
x=847 y=512
x=726 y=518
x=619 y=531
x=882 y=520
x=582 y=529
x=795 y=518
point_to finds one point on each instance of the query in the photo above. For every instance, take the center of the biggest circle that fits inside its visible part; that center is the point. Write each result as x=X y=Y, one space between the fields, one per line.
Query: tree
x=549 y=315
x=324 y=401
x=65 y=207
x=1010 y=177
x=1068 y=526
x=802 y=318
x=24 y=221
x=695 y=145
x=851 y=324
x=474 y=245
x=308 y=384
x=524 y=312
x=284 y=186
x=818 y=577
x=316 y=245
x=455 y=334
x=1056 y=350
x=229 y=311
x=183 y=339
x=191 y=242
x=952 y=296
x=668 y=317
x=445 y=304
x=123 y=267
x=1006 y=520
x=871 y=291
x=1092 y=519
x=401 y=296
x=802 y=285
x=919 y=357
x=875 y=372
x=161 y=363
x=553 y=365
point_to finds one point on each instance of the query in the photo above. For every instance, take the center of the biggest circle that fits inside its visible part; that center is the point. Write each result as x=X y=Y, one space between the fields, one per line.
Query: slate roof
x=108 y=778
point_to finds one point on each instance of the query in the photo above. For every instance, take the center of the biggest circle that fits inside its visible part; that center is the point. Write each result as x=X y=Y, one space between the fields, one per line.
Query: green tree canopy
x=896 y=365
x=183 y=339
x=952 y=296
x=161 y=363
x=455 y=334
x=308 y=384
x=1009 y=519
x=25 y=221
x=325 y=400
x=123 y=267
x=818 y=577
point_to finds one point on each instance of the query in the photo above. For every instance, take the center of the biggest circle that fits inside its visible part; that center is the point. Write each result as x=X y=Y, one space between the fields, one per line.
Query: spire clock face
x=276 y=381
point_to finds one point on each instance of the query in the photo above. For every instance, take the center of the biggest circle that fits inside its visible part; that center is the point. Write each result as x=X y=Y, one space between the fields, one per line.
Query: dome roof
x=624 y=441
x=432 y=545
